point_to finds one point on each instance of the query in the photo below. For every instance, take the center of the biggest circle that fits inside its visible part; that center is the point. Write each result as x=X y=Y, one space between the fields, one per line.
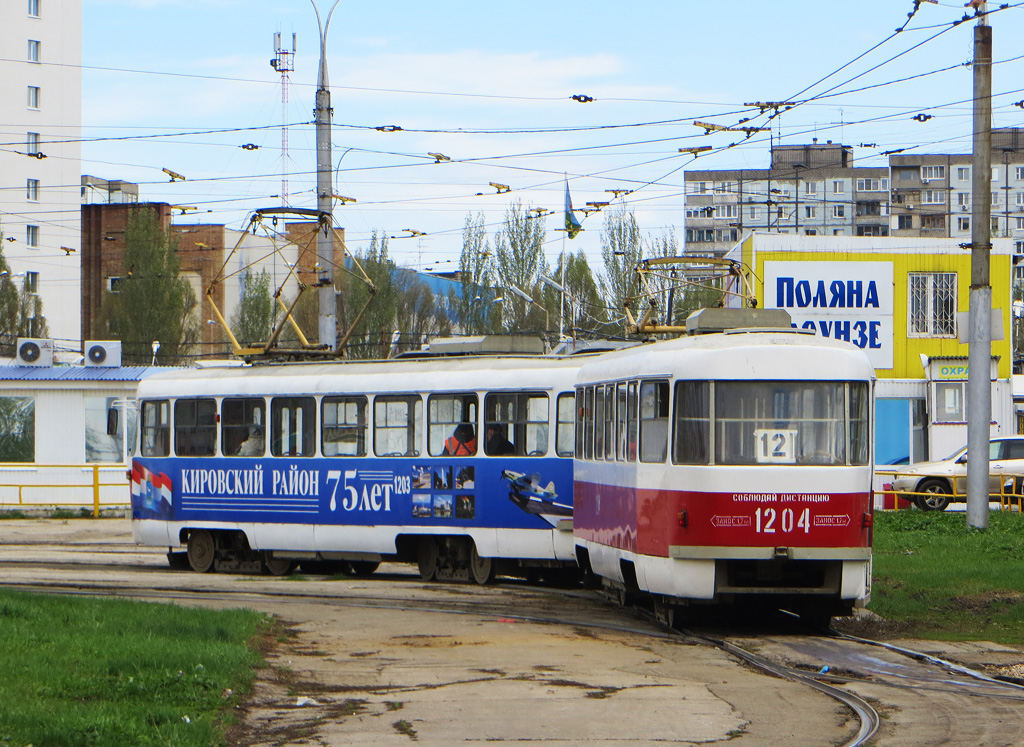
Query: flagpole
x=561 y=313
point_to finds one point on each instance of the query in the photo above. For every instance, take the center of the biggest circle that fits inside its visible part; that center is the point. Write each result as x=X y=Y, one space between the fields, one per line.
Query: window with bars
x=932 y=308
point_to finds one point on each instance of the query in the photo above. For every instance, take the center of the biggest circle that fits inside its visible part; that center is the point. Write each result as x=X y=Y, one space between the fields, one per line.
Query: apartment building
x=811 y=190
x=815 y=190
x=40 y=155
x=932 y=194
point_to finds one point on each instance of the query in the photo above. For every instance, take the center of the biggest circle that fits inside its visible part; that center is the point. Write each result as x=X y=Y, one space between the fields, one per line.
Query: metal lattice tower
x=284 y=63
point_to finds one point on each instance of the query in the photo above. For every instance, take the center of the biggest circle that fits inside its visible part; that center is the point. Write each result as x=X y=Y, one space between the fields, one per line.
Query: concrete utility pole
x=323 y=113
x=979 y=387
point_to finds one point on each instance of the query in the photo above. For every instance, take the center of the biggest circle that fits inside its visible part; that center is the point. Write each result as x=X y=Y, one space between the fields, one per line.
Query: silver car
x=945 y=481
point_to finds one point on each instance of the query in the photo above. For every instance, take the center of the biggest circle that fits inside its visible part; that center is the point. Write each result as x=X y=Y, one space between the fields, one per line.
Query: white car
x=945 y=481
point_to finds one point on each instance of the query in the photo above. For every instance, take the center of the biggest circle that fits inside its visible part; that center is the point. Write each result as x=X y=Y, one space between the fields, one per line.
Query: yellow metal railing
x=94 y=485
x=1010 y=495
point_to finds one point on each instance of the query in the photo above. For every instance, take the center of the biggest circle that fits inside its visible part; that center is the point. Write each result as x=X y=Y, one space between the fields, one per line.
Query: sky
x=184 y=85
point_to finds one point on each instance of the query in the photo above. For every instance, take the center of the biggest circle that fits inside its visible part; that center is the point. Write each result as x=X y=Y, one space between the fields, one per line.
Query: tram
x=462 y=465
x=728 y=468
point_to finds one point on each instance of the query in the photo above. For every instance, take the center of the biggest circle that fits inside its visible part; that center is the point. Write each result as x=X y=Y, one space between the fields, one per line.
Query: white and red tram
x=729 y=467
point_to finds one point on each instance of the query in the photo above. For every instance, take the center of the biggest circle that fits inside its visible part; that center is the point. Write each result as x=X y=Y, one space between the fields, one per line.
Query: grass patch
x=935 y=578
x=84 y=672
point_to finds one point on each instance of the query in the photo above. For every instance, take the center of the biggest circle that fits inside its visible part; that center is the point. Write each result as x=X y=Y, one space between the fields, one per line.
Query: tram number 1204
x=771 y=520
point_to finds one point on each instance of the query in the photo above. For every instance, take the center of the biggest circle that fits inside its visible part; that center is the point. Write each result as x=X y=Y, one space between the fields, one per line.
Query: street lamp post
x=328 y=322
x=526 y=297
x=561 y=289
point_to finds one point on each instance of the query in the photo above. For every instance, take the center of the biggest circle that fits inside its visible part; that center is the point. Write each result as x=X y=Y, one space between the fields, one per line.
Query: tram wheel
x=426 y=558
x=201 y=550
x=482 y=569
x=364 y=567
x=276 y=566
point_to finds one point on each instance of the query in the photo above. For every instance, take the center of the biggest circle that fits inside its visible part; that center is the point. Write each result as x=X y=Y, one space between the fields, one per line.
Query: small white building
x=55 y=450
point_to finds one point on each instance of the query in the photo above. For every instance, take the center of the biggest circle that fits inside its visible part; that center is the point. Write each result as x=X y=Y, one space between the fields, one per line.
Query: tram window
x=780 y=422
x=632 y=422
x=609 y=422
x=195 y=427
x=587 y=414
x=520 y=421
x=691 y=436
x=343 y=421
x=156 y=428
x=860 y=413
x=565 y=427
x=599 y=422
x=621 y=432
x=451 y=429
x=653 y=421
x=242 y=426
x=292 y=426
x=396 y=425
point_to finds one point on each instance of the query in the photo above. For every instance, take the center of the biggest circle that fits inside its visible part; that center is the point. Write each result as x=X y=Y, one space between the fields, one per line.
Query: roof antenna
x=284 y=63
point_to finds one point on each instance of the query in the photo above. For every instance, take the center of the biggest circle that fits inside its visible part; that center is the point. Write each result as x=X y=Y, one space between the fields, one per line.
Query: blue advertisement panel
x=506 y=492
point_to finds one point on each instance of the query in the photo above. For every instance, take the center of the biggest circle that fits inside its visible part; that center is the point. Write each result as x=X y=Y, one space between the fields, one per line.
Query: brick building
x=206 y=253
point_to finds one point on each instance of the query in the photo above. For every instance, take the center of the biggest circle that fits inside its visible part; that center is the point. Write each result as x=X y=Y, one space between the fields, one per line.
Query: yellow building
x=904 y=301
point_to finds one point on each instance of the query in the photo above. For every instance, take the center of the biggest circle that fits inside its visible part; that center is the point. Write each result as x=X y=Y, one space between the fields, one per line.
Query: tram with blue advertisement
x=728 y=468
x=462 y=465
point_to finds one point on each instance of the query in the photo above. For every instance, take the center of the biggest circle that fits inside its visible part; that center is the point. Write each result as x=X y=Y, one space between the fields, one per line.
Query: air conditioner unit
x=33 y=352
x=103 y=353
x=965 y=208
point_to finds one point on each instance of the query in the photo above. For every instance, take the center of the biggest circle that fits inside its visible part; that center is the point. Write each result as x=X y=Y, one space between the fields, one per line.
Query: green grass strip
x=936 y=578
x=88 y=672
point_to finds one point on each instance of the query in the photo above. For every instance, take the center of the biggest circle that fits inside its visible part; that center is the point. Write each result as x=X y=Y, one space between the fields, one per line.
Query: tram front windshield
x=771 y=422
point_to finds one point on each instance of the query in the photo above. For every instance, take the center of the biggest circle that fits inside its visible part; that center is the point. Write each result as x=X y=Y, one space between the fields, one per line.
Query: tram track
x=107 y=569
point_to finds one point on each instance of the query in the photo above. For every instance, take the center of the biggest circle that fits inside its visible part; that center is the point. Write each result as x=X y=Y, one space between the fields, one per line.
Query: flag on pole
x=572 y=226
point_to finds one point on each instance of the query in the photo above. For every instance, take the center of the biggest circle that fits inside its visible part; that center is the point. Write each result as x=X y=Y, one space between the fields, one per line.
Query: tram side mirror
x=112 y=421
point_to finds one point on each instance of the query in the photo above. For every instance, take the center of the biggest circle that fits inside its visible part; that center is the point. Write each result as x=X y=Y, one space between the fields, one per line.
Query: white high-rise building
x=40 y=155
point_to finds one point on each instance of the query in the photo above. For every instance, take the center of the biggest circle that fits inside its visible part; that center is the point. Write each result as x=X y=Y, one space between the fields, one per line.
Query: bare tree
x=621 y=250
x=475 y=307
x=519 y=255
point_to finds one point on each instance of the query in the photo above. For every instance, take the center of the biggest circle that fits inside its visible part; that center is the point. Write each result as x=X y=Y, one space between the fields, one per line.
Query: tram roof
x=739 y=354
x=506 y=372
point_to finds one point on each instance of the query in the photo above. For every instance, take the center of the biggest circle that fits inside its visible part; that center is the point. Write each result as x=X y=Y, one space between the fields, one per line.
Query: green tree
x=153 y=303
x=519 y=256
x=370 y=332
x=21 y=310
x=621 y=250
x=9 y=307
x=586 y=312
x=253 y=321
x=31 y=321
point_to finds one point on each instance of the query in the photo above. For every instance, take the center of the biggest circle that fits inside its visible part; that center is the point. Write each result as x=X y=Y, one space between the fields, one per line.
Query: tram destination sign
x=850 y=301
